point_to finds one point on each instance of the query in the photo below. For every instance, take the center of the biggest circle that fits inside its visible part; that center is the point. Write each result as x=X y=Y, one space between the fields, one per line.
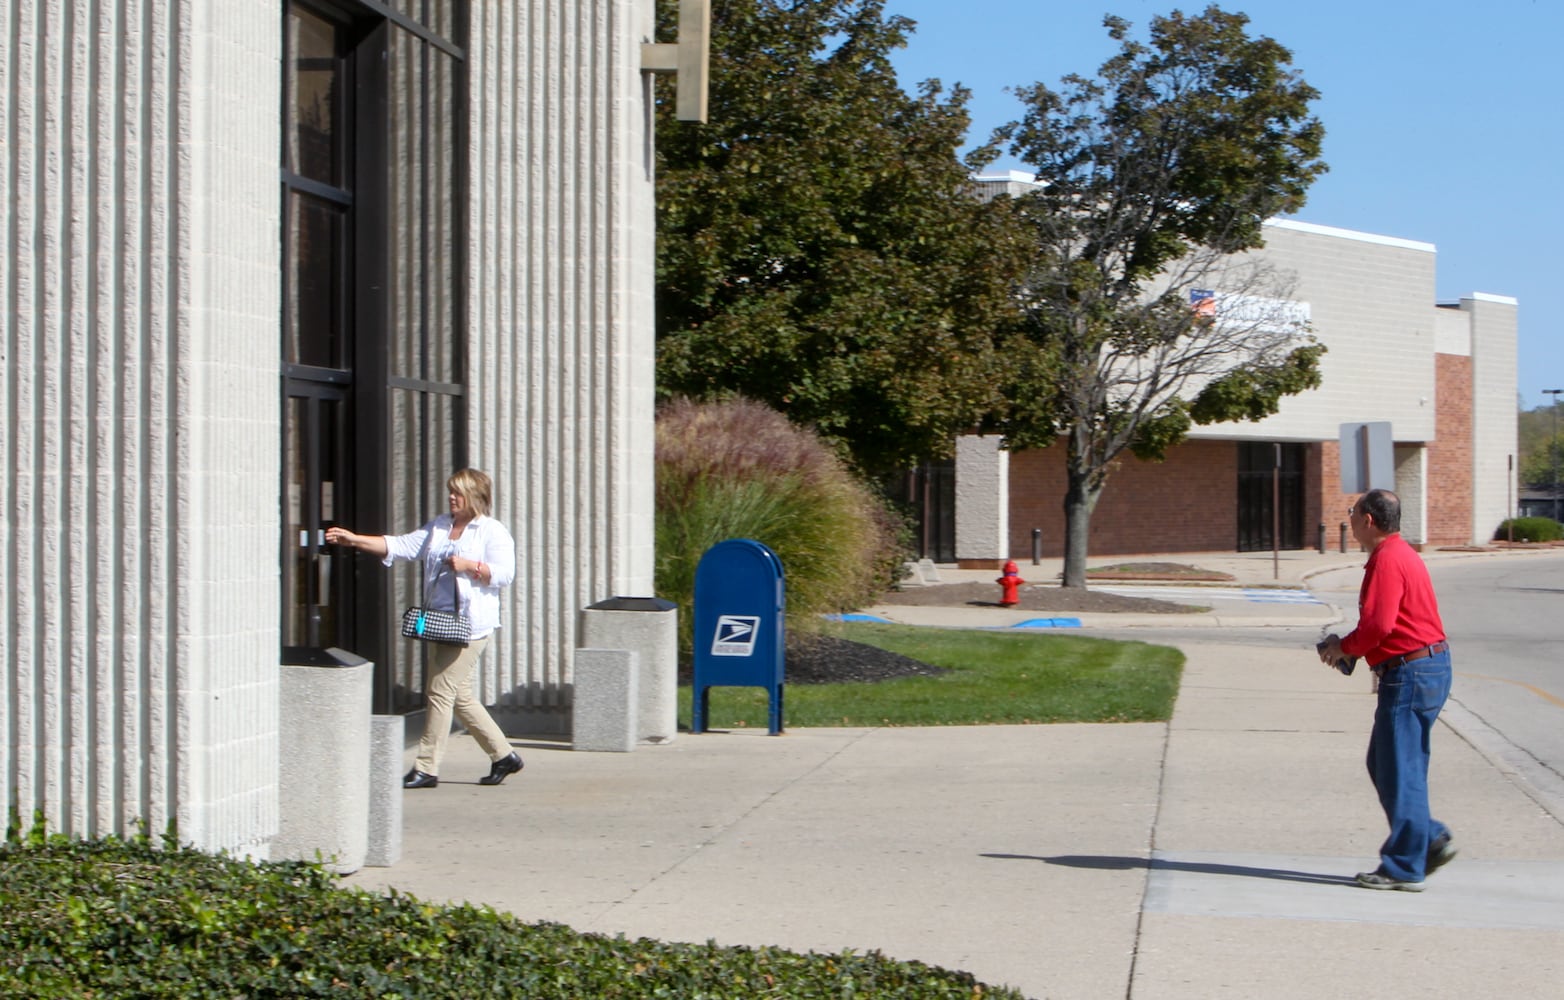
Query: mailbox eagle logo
x=735 y=635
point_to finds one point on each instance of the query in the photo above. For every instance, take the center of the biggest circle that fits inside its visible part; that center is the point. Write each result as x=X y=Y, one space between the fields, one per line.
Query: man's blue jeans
x=1410 y=697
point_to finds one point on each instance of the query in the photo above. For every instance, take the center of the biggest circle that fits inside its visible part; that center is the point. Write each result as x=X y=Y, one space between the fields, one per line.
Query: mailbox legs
x=700 y=704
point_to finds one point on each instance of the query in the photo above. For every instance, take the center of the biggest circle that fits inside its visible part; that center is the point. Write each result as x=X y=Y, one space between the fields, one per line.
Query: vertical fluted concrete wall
x=140 y=416
x=560 y=309
x=141 y=412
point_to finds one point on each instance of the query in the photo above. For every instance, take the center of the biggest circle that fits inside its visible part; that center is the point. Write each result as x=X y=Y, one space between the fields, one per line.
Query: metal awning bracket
x=689 y=59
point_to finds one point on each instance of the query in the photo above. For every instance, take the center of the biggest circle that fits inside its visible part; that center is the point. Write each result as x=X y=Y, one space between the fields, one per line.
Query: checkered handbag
x=431 y=625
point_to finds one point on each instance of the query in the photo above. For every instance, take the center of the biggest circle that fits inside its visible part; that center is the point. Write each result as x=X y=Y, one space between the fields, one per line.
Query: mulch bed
x=827 y=659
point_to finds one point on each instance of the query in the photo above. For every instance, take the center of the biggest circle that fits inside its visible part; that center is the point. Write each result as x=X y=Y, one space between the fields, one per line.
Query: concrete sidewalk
x=1208 y=857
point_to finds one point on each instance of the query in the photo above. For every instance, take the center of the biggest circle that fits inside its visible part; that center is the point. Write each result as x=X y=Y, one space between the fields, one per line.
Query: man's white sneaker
x=1379 y=880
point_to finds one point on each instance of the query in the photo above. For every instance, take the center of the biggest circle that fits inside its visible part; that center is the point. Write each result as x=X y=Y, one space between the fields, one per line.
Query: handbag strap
x=456 y=594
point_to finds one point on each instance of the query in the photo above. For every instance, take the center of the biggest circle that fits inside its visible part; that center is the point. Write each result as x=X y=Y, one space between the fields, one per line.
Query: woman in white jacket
x=467 y=555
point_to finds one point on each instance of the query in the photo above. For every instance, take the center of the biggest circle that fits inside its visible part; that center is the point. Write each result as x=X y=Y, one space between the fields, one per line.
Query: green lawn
x=995 y=678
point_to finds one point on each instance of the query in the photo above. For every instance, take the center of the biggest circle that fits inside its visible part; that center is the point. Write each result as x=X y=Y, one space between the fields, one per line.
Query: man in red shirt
x=1400 y=635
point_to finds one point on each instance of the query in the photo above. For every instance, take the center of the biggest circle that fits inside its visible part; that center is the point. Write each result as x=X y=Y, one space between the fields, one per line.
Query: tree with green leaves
x=818 y=244
x=1541 y=445
x=1155 y=177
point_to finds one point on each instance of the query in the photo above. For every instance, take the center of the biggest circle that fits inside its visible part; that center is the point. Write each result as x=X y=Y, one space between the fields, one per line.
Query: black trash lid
x=633 y=604
x=306 y=656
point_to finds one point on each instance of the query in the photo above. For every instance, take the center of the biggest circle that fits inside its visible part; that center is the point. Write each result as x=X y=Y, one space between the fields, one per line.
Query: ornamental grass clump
x=738 y=469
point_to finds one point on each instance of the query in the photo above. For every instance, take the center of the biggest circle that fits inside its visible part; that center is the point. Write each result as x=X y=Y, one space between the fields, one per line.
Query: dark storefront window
x=929 y=493
x=317 y=322
x=1261 y=487
x=374 y=363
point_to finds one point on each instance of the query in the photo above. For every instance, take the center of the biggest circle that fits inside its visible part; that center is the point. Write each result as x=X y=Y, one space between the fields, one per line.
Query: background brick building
x=1442 y=375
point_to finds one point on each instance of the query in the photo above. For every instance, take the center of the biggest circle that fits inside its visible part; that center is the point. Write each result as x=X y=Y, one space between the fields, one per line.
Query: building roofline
x=1503 y=300
x=1009 y=176
x=1351 y=234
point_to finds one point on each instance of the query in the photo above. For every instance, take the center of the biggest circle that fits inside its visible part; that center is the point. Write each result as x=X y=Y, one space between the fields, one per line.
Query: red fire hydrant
x=1010 y=585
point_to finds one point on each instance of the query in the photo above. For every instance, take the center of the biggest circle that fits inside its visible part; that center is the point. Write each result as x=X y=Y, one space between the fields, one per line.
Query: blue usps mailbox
x=738 y=625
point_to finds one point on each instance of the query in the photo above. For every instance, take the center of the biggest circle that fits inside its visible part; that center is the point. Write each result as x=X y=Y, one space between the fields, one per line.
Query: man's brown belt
x=1415 y=655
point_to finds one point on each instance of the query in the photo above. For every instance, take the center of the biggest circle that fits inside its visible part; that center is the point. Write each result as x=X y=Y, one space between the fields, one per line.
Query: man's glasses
x=1351 y=511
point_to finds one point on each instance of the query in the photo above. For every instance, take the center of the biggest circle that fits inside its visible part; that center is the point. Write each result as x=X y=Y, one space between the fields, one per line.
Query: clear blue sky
x=1442 y=121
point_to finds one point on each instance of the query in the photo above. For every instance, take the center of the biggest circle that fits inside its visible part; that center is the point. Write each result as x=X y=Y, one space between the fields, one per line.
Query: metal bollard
x=1344 y=538
x=1037 y=546
x=1322 y=538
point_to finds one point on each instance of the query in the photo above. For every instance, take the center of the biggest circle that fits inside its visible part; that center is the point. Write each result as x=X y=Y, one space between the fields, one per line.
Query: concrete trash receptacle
x=323 y=770
x=649 y=628
x=603 y=715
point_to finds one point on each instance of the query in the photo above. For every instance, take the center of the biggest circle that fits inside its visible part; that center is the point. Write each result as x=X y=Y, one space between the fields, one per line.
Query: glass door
x=373 y=313
x=1270 y=496
x=317 y=325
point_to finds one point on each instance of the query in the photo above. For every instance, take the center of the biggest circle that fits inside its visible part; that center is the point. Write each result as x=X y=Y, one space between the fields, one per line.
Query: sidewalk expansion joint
x=1151 y=852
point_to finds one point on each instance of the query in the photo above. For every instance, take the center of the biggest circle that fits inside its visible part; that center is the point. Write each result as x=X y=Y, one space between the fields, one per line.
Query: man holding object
x=1400 y=635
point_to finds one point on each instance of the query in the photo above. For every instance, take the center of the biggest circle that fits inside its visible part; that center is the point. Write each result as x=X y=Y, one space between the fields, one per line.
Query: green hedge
x=117 y=918
x=1530 y=529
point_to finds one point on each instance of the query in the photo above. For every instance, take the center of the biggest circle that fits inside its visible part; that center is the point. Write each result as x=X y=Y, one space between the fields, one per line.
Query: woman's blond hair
x=475 y=486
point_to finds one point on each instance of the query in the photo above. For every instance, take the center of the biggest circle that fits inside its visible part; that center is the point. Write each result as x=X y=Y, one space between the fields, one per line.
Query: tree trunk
x=1079 y=502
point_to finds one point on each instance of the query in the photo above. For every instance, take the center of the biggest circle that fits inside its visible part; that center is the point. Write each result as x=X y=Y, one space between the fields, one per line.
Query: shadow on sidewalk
x=1117 y=863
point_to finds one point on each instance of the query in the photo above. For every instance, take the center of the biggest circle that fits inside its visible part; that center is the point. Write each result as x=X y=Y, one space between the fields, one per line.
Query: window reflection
x=314 y=139
x=423 y=216
x=316 y=310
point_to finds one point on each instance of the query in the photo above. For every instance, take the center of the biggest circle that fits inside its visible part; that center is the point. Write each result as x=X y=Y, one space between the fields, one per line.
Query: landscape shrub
x=1530 y=529
x=128 y=918
x=738 y=469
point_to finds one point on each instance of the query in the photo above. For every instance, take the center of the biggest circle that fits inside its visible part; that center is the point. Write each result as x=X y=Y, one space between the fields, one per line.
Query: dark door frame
x=1258 y=482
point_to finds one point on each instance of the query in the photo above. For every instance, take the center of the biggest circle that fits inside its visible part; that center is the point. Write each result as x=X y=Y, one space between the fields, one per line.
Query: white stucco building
x=271 y=266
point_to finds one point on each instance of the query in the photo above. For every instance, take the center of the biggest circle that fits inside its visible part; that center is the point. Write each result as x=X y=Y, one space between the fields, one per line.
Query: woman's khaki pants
x=450 y=690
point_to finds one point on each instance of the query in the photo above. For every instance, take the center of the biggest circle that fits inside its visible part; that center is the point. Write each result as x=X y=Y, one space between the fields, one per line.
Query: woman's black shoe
x=502 y=769
x=418 y=779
